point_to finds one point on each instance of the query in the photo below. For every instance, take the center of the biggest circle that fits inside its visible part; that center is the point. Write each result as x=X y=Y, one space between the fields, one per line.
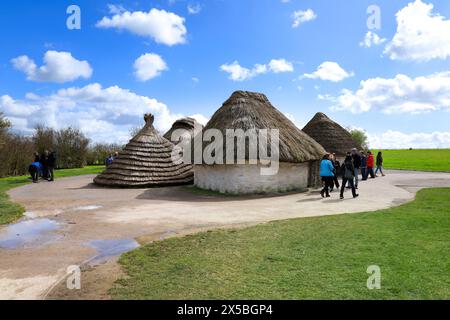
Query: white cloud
x=280 y=65
x=371 y=39
x=58 y=67
x=239 y=73
x=195 y=80
x=116 y=8
x=399 y=140
x=300 y=17
x=149 y=66
x=200 y=118
x=162 y=26
x=421 y=34
x=329 y=71
x=194 y=8
x=104 y=114
x=400 y=94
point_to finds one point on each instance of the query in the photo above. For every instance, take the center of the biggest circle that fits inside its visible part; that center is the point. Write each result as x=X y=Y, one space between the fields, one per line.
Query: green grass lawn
x=425 y=160
x=10 y=211
x=308 y=258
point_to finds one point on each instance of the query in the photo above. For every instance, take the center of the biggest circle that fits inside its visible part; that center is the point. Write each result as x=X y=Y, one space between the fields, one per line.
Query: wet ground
x=72 y=222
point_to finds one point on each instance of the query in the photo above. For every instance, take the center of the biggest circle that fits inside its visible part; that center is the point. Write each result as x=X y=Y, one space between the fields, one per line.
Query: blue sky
x=173 y=61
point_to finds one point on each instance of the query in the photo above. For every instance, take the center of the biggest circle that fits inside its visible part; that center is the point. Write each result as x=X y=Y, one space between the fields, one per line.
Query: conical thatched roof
x=146 y=161
x=187 y=124
x=330 y=135
x=248 y=110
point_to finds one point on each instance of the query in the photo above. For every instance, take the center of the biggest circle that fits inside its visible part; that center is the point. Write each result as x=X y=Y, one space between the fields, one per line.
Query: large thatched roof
x=330 y=135
x=188 y=124
x=248 y=110
x=146 y=161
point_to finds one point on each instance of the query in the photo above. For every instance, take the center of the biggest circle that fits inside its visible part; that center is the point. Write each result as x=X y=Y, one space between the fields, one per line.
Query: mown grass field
x=10 y=211
x=422 y=160
x=308 y=258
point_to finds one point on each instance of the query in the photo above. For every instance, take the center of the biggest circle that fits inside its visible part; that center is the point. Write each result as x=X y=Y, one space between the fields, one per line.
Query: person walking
x=370 y=165
x=327 y=175
x=44 y=163
x=348 y=175
x=357 y=165
x=379 y=163
x=337 y=167
x=51 y=163
x=363 y=166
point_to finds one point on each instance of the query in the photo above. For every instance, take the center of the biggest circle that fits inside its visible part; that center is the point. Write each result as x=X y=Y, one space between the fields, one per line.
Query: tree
x=360 y=136
x=71 y=147
x=5 y=124
x=44 y=138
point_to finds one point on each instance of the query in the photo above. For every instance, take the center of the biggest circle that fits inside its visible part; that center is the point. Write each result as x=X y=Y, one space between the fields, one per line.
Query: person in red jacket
x=370 y=165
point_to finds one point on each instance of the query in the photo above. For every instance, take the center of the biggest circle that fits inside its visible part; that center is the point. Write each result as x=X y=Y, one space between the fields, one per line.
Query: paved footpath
x=71 y=221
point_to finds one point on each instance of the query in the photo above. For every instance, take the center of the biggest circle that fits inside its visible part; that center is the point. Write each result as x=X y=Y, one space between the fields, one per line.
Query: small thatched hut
x=333 y=137
x=299 y=154
x=146 y=161
x=187 y=124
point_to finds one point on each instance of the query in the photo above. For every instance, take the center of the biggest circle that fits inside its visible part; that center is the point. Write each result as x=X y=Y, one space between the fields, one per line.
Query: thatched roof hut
x=187 y=124
x=333 y=137
x=146 y=161
x=298 y=153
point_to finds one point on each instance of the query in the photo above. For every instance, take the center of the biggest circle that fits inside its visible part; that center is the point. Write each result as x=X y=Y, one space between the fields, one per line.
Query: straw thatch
x=333 y=137
x=188 y=124
x=146 y=161
x=248 y=110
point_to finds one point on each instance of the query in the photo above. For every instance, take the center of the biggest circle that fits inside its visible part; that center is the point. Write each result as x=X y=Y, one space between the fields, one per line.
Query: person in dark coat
x=357 y=165
x=44 y=163
x=348 y=175
x=51 y=164
x=109 y=160
x=379 y=163
x=363 y=166
x=337 y=167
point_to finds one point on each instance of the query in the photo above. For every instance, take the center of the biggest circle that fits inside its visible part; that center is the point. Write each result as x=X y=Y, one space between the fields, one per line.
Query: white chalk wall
x=247 y=179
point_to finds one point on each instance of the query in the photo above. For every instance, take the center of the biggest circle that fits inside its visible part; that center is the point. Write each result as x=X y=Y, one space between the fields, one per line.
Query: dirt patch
x=95 y=283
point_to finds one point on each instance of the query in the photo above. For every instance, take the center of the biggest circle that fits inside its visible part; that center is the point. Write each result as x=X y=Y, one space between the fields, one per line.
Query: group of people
x=355 y=163
x=43 y=166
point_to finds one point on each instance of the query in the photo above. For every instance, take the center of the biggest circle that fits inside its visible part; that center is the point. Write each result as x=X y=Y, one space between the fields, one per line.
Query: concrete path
x=70 y=221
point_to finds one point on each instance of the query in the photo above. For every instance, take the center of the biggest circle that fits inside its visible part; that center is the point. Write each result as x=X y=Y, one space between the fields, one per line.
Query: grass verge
x=308 y=258
x=10 y=211
x=422 y=160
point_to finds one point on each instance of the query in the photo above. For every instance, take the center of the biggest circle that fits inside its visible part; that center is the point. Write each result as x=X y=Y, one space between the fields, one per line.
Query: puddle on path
x=30 y=215
x=28 y=233
x=88 y=208
x=111 y=248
